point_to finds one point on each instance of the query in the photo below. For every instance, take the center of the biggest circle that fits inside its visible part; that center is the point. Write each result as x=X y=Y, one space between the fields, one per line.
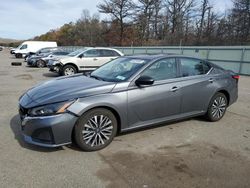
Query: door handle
x=175 y=88
x=211 y=80
x=95 y=59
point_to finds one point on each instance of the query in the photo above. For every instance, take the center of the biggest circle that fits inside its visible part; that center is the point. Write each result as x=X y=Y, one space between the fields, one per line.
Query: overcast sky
x=24 y=19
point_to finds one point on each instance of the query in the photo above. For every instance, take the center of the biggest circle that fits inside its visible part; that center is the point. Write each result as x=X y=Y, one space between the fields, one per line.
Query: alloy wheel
x=219 y=107
x=97 y=130
x=69 y=71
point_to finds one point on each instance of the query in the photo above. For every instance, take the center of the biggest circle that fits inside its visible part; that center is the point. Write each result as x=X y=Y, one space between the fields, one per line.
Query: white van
x=32 y=46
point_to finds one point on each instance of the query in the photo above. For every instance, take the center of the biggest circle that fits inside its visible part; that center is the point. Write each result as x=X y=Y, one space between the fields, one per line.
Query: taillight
x=237 y=77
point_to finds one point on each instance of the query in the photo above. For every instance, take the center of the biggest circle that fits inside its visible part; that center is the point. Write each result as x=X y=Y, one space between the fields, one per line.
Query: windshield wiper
x=96 y=77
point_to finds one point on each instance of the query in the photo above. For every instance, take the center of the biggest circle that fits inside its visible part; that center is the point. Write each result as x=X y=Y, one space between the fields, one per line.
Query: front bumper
x=48 y=131
x=54 y=68
x=31 y=62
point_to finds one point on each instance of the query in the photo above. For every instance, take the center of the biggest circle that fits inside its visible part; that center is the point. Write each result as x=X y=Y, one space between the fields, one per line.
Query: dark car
x=41 y=60
x=124 y=94
x=42 y=52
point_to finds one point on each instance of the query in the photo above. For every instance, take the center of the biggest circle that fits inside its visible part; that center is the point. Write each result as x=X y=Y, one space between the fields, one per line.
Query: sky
x=25 y=19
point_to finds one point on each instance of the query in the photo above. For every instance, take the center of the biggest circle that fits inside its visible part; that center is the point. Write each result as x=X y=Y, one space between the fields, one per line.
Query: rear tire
x=95 y=129
x=217 y=107
x=68 y=70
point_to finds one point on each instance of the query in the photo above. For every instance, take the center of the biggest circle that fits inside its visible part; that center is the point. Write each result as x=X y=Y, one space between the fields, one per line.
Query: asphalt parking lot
x=190 y=153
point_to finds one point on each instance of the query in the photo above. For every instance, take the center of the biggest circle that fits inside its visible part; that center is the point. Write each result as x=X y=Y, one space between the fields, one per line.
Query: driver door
x=90 y=60
x=158 y=101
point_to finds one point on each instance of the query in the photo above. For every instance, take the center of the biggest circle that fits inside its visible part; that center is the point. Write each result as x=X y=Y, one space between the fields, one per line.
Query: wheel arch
x=36 y=63
x=72 y=64
x=226 y=93
x=115 y=112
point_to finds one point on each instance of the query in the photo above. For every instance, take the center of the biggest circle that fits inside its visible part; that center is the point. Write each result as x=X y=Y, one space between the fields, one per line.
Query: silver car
x=124 y=94
x=86 y=59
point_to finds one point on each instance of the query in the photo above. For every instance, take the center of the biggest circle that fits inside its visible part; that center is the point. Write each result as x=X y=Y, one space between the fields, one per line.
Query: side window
x=92 y=53
x=64 y=53
x=25 y=46
x=192 y=67
x=44 y=50
x=109 y=53
x=60 y=53
x=162 y=69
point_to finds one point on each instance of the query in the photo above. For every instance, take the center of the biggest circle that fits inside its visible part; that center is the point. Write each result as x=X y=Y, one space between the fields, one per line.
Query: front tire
x=18 y=56
x=217 y=107
x=95 y=129
x=40 y=63
x=68 y=70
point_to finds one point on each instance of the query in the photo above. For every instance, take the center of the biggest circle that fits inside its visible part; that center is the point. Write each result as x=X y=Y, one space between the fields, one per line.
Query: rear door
x=160 y=100
x=108 y=55
x=197 y=86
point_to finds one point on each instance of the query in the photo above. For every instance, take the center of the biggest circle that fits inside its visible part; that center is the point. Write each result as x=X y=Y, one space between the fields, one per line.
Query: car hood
x=67 y=59
x=64 y=88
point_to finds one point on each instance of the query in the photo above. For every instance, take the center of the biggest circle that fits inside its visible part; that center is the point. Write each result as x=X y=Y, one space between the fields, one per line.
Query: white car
x=86 y=59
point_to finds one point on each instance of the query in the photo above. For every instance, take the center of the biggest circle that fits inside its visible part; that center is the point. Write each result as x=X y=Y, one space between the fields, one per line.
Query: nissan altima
x=126 y=93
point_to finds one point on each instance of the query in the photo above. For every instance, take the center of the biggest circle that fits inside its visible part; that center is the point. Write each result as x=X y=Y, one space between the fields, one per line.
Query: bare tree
x=241 y=20
x=204 y=8
x=120 y=10
x=178 y=10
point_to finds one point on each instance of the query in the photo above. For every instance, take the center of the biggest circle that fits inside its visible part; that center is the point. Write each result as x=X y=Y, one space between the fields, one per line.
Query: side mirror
x=144 y=80
x=81 y=56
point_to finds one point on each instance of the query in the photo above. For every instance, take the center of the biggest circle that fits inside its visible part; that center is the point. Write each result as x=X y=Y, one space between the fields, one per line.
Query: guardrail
x=235 y=58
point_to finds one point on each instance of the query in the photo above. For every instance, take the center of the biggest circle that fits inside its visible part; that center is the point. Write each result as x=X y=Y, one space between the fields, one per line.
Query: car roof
x=158 y=56
x=100 y=48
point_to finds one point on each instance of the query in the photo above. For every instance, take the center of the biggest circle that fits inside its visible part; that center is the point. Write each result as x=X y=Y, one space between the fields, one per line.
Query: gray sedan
x=124 y=94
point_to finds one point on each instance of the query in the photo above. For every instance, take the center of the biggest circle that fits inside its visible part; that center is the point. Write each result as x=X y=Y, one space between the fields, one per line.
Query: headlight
x=50 y=109
x=55 y=62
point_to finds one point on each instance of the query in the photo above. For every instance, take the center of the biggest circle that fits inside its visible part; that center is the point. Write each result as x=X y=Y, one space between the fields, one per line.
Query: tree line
x=157 y=22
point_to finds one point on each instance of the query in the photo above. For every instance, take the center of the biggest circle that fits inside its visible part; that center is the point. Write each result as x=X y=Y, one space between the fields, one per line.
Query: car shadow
x=15 y=127
x=51 y=75
x=174 y=123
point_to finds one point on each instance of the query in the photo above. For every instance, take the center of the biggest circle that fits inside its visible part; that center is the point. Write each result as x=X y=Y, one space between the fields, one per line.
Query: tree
x=178 y=10
x=120 y=10
x=147 y=18
x=241 y=20
x=204 y=8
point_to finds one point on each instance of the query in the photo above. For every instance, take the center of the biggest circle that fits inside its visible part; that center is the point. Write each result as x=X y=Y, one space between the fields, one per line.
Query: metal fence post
x=208 y=53
x=242 y=59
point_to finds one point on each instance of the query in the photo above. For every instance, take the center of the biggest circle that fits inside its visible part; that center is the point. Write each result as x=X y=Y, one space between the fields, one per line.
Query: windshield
x=119 y=70
x=74 y=53
x=19 y=46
